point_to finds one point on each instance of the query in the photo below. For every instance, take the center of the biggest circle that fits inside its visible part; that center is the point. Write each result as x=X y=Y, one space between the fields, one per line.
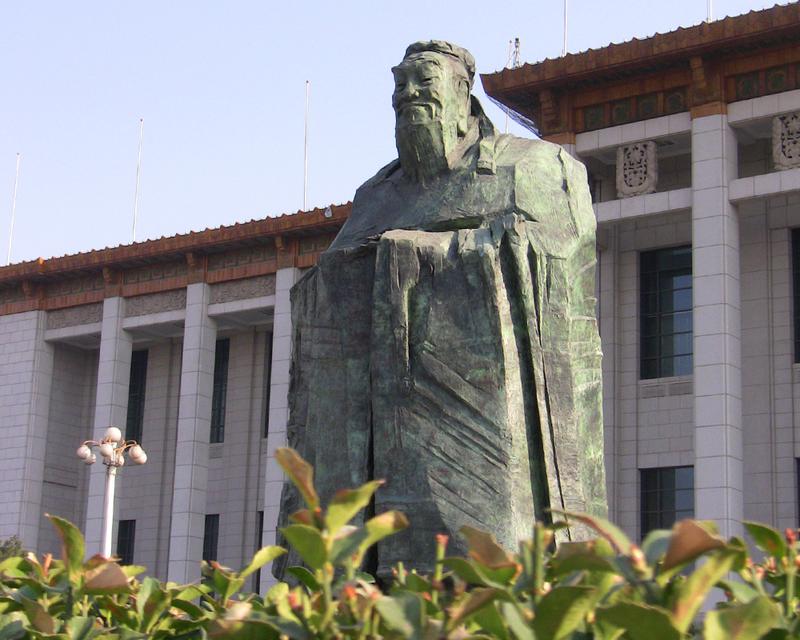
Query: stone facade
x=68 y=327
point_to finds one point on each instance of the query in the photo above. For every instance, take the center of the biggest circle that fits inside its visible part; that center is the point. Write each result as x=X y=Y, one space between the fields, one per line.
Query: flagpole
x=138 y=174
x=305 y=150
x=13 y=209
x=566 y=23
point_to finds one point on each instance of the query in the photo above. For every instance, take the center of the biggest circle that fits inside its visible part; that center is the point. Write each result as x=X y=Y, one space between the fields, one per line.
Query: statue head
x=431 y=101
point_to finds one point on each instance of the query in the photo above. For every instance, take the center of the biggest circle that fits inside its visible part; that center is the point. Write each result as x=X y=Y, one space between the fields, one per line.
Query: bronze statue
x=447 y=339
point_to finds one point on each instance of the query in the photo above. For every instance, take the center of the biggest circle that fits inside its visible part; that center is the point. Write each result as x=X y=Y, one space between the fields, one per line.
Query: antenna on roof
x=512 y=62
x=13 y=208
x=566 y=22
x=709 y=10
x=138 y=174
x=305 y=149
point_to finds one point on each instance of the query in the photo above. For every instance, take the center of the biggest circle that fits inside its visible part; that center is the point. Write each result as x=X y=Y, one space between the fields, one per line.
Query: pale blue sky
x=221 y=87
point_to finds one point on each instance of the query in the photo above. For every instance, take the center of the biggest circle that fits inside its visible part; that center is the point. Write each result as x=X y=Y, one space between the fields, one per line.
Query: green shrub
x=607 y=588
x=10 y=547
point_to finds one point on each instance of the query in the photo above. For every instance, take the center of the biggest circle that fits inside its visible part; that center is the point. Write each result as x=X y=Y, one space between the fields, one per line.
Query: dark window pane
x=676 y=322
x=667 y=495
x=796 y=290
x=666 y=312
x=211 y=537
x=684 y=500
x=259 y=538
x=684 y=478
x=650 y=347
x=682 y=365
x=267 y=380
x=649 y=368
x=677 y=344
x=649 y=326
x=649 y=303
x=126 y=534
x=219 y=397
x=136 y=388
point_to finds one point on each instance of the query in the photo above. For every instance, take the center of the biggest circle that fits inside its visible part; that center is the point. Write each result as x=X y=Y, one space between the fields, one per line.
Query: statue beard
x=425 y=148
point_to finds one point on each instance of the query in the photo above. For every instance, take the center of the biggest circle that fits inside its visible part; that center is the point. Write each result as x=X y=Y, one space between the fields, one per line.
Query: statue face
x=427 y=88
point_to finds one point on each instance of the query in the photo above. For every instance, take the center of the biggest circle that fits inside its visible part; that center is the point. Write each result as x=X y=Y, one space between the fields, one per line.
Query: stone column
x=194 y=433
x=278 y=406
x=111 y=407
x=33 y=459
x=717 y=327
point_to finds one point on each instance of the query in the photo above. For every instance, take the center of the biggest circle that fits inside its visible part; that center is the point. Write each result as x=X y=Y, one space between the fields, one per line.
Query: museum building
x=692 y=144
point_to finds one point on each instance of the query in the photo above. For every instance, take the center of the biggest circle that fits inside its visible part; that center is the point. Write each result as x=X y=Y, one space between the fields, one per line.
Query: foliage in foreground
x=607 y=588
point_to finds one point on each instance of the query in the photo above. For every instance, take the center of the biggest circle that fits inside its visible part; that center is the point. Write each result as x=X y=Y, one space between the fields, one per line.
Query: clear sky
x=221 y=88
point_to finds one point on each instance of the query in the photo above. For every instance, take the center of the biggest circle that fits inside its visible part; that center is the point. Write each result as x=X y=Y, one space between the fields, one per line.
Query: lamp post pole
x=113 y=449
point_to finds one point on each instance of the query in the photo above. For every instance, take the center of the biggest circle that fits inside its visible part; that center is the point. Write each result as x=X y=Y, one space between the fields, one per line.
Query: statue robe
x=447 y=343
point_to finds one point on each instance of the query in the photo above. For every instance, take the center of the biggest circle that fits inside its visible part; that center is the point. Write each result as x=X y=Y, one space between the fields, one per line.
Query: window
x=136 y=388
x=797 y=484
x=667 y=495
x=218 y=398
x=126 y=533
x=211 y=537
x=267 y=380
x=259 y=538
x=796 y=290
x=666 y=312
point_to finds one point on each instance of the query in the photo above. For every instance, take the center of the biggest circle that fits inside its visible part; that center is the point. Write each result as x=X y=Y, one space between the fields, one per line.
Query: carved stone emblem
x=637 y=169
x=786 y=140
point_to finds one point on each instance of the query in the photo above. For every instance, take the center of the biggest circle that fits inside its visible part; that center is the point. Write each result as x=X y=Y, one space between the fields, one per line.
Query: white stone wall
x=234 y=476
x=70 y=417
x=144 y=492
x=648 y=423
x=25 y=372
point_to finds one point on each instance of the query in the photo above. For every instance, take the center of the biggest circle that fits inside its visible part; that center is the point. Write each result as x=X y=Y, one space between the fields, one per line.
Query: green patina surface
x=447 y=339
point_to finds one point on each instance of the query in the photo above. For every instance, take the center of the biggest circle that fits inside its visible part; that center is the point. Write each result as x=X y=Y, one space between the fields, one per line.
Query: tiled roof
x=750 y=29
x=300 y=223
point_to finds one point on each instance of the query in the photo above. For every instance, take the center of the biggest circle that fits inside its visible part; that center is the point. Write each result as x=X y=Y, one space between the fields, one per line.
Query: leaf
x=590 y=555
x=12 y=627
x=767 y=539
x=483 y=548
x=692 y=593
x=107 y=578
x=403 y=612
x=247 y=630
x=347 y=503
x=492 y=622
x=80 y=628
x=262 y=557
x=464 y=570
x=289 y=628
x=133 y=570
x=655 y=545
x=380 y=527
x=745 y=622
x=476 y=600
x=40 y=619
x=640 y=621
x=743 y=593
x=303 y=516
x=151 y=602
x=516 y=622
x=300 y=473
x=610 y=532
x=308 y=542
x=688 y=542
x=305 y=577
x=562 y=611
x=73 y=548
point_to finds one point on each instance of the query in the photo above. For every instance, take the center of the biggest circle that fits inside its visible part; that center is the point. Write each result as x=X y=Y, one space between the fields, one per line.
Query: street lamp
x=113 y=449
